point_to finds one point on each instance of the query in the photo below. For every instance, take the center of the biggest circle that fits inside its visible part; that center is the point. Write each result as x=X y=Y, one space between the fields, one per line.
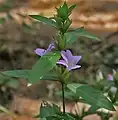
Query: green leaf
x=50 y=76
x=58 y=22
x=48 y=110
x=17 y=73
x=25 y=75
x=5 y=110
x=67 y=25
x=70 y=37
x=62 y=11
x=61 y=116
x=69 y=95
x=2 y=20
x=13 y=83
x=2 y=79
x=43 y=119
x=91 y=96
x=44 y=19
x=9 y=81
x=72 y=7
x=5 y=8
x=43 y=66
x=26 y=27
x=73 y=87
x=93 y=109
x=78 y=33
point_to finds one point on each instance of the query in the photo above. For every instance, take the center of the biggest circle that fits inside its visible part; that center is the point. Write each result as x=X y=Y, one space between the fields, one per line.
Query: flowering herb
x=41 y=52
x=69 y=60
x=43 y=69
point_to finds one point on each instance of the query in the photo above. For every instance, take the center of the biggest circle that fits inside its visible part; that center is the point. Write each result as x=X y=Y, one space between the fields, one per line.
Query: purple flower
x=69 y=60
x=41 y=52
x=110 y=77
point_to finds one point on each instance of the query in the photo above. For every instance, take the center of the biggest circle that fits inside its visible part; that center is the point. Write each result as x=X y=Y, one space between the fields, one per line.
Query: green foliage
x=25 y=75
x=2 y=20
x=104 y=116
x=13 y=83
x=6 y=111
x=44 y=65
x=17 y=73
x=44 y=19
x=9 y=81
x=52 y=112
x=69 y=95
x=91 y=96
x=26 y=27
x=63 y=11
x=62 y=116
x=80 y=32
x=3 y=109
x=6 y=6
x=47 y=110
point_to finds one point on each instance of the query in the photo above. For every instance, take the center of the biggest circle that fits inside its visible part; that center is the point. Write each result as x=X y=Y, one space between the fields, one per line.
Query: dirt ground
x=24 y=109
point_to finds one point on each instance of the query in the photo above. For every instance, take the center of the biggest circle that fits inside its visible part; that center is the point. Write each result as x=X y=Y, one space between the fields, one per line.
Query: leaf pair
x=79 y=32
x=70 y=36
x=40 y=71
x=91 y=96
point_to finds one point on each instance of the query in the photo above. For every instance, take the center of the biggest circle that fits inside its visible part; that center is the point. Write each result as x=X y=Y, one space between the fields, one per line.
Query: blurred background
x=20 y=35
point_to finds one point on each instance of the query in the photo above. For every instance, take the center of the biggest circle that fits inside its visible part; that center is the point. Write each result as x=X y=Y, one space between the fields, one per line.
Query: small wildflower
x=41 y=52
x=110 y=77
x=69 y=60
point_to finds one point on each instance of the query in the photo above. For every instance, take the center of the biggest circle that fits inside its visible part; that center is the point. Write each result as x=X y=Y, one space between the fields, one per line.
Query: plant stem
x=63 y=97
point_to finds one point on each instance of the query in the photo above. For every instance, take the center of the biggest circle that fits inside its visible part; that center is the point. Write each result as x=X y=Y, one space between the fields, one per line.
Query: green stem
x=63 y=97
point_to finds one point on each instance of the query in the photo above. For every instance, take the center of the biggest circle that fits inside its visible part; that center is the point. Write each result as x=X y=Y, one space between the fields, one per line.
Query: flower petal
x=62 y=62
x=50 y=47
x=40 y=51
x=110 y=77
x=69 y=55
x=76 y=59
x=64 y=56
x=74 y=67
